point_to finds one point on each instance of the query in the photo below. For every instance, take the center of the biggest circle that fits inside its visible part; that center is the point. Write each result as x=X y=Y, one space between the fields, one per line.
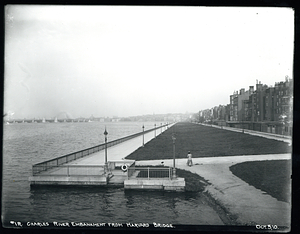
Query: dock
x=87 y=167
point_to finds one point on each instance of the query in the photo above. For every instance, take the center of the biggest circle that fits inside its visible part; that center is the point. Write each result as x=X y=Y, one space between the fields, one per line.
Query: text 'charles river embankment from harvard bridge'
x=145 y=161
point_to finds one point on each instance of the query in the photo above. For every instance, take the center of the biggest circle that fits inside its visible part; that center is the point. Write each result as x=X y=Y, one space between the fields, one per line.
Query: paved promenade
x=117 y=152
x=114 y=153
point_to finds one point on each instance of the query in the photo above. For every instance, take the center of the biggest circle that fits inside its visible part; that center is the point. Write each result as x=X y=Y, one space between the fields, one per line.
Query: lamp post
x=174 y=170
x=154 y=130
x=282 y=119
x=143 y=135
x=105 y=160
x=243 y=121
x=160 y=127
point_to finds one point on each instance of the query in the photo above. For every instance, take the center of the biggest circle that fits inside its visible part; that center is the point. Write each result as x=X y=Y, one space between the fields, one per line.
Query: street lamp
x=143 y=135
x=105 y=167
x=243 y=121
x=174 y=171
x=282 y=119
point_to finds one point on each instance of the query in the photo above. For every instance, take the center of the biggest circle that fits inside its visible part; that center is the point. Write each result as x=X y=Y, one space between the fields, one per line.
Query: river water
x=25 y=144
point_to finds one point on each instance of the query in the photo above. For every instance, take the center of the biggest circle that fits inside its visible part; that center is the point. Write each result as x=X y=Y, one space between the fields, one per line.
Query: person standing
x=189 y=162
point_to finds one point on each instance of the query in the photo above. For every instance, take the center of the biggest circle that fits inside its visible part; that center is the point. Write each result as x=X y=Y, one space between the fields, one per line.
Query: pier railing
x=150 y=173
x=77 y=170
x=131 y=170
x=57 y=162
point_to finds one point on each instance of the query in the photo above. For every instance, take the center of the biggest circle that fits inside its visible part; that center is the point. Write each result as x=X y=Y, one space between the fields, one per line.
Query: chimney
x=258 y=86
x=251 y=89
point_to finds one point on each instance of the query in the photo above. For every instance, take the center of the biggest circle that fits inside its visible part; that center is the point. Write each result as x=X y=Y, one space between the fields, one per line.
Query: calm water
x=25 y=144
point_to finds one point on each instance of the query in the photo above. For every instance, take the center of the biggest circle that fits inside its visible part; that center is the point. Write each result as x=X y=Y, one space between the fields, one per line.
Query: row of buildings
x=267 y=109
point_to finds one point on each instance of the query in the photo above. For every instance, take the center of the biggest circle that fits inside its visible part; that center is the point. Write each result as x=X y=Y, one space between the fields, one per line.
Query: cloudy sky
x=124 y=61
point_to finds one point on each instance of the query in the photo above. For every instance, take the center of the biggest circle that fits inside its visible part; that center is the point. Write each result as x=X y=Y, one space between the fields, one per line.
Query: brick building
x=267 y=109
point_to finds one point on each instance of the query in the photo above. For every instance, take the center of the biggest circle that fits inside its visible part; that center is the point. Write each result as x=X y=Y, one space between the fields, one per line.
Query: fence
x=131 y=170
x=56 y=162
x=251 y=131
x=150 y=172
x=77 y=170
x=275 y=127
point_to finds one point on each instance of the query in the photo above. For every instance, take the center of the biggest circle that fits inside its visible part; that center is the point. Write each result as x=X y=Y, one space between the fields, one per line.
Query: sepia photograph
x=156 y=118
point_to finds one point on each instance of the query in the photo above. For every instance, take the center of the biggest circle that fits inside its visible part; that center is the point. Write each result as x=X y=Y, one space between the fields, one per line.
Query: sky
x=135 y=60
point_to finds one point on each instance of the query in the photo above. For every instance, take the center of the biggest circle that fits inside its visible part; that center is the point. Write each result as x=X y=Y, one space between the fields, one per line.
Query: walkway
x=248 y=204
x=117 y=152
x=91 y=166
x=284 y=138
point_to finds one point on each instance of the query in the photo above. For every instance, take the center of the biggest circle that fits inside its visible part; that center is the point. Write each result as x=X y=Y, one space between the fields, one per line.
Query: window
x=286 y=129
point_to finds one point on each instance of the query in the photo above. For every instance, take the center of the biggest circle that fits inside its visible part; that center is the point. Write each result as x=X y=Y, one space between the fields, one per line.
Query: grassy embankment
x=272 y=177
x=205 y=141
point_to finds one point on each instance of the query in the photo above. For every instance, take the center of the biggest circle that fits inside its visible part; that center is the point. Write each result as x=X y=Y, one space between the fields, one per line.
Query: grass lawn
x=204 y=141
x=272 y=177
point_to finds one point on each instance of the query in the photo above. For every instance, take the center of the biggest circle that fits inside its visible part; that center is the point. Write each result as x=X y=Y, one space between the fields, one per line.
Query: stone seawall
x=177 y=184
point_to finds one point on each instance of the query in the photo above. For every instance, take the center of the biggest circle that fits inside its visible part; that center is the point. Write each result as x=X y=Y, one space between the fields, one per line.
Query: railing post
x=148 y=173
x=68 y=173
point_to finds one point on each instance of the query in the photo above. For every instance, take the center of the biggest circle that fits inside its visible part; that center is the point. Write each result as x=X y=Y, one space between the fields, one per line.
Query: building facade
x=268 y=109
